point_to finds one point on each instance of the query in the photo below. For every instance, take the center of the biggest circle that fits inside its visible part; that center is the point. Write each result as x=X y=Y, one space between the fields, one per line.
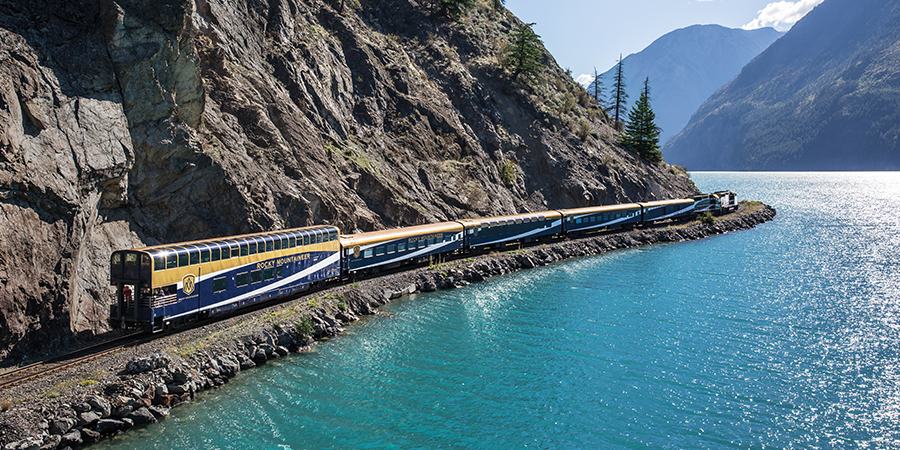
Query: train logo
x=188 y=284
x=356 y=252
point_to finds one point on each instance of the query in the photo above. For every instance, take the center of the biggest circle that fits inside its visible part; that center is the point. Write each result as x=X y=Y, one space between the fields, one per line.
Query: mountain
x=137 y=122
x=826 y=96
x=688 y=65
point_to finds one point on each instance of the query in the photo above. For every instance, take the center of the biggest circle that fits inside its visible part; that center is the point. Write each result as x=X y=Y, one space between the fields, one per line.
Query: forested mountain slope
x=826 y=96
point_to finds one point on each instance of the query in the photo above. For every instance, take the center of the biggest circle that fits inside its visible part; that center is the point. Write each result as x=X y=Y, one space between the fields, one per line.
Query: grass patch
x=6 y=405
x=707 y=218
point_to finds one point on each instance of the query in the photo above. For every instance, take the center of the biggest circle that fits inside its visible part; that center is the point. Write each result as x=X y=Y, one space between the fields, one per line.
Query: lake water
x=784 y=336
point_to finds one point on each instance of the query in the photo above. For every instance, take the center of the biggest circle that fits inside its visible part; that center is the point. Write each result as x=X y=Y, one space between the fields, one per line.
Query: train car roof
x=222 y=240
x=374 y=237
x=677 y=201
x=513 y=217
x=597 y=209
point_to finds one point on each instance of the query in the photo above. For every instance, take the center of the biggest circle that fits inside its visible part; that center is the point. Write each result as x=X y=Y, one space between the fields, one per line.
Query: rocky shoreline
x=138 y=385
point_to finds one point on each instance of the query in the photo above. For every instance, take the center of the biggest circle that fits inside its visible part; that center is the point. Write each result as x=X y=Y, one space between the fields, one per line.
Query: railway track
x=37 y=369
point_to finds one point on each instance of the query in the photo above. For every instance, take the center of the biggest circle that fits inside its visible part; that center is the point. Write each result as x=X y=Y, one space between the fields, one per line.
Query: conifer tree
x=618 y=96
x=641 y=133
x=523 y=56
x=596 y=89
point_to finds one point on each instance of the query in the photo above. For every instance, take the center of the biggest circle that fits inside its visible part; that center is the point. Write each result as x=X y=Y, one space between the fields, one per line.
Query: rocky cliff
x=128 y=123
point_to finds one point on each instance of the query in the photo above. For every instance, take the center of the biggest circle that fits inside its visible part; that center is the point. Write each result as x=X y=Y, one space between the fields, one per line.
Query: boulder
x=62 y=425
x=109 y=426
x=142 y=416
x=71 y=439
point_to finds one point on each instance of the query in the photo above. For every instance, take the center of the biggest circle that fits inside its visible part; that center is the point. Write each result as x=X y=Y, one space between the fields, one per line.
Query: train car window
x=252 y=248
x=204 y=256
x=448 y=237
x=235 y=251
x=241 y=279
x=401 y=247
x=219 y=284
x=214 y=254
x=277 y=243
x=279 y=271
x=318 y=238
x=183 y=259
x=391 y=248
x=145 y=261
x=367 y=253
x=292 y=242
x=333 y=235
x=245 y=250
x=195 y=258
x=159 y=262
x=430 y=242
x=116 y=259
x=305 y=239
x=130 y=259
x=379 y=250
x=171 y=261
x=269 y=273
x=255 y=276
x=421 y=244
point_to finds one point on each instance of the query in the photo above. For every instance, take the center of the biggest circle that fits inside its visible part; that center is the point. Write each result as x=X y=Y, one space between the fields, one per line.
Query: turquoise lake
x=783 y=336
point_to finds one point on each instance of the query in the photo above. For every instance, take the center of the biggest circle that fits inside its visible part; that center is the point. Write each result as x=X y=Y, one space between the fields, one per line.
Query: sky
x=583 y=34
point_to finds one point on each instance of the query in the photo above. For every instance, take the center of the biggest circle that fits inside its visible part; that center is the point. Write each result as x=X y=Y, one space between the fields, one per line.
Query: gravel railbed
x=138 y=385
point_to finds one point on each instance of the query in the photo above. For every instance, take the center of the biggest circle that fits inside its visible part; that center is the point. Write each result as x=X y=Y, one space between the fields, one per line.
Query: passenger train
x=166 y=286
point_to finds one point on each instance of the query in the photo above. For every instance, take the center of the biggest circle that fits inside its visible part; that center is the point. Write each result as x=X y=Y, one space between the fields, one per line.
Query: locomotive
x=166 y=286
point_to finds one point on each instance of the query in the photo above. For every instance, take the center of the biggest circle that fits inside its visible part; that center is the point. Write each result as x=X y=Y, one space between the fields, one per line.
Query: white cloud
x=782 y=15
x=584 y=79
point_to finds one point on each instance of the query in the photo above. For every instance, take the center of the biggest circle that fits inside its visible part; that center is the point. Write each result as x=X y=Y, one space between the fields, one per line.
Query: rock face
x=826 y=96
x=129 y=123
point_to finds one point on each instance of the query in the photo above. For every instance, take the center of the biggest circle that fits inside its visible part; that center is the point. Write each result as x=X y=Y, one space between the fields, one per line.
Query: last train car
x=368 y=252
x=495 y=231
x=168 y=285
x=667 y=209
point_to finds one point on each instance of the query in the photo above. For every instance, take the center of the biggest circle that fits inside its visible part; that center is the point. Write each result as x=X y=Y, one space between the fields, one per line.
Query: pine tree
x=523 y=56
x=618 y=96
x=641 y=133
x=596 y=89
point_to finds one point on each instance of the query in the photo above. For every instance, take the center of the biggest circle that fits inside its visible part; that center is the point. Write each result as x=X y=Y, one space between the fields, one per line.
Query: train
x=168 y=286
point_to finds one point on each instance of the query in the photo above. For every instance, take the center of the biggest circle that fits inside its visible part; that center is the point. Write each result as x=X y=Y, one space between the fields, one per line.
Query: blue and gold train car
x=596 y=217
x=391 y=248
x=492 y=231
x=177 y=283
x=667 y=209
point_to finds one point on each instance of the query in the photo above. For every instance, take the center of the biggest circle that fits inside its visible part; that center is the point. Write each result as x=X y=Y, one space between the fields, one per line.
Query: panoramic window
x=245 y=250
x=241 y=279
x=159 y=262
x=305 y=239
x=204 y=256
x=270 y=246
x=214 y=254
x=195 y=258
x=219 y=284
x=182 y=259
x=292 y=242
x=318 y=238
x=252 y=247
x=277 y=243
x=171 y=261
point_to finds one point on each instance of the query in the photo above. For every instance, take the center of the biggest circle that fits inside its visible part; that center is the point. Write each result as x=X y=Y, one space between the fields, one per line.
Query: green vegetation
x=507 y=172
x=707 y=218
x=641 y=133
x=523 y=57
x=455 y=8
x=305 y=327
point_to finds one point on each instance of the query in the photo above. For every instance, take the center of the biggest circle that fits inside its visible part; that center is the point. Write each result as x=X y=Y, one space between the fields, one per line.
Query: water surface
x=784 y=336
